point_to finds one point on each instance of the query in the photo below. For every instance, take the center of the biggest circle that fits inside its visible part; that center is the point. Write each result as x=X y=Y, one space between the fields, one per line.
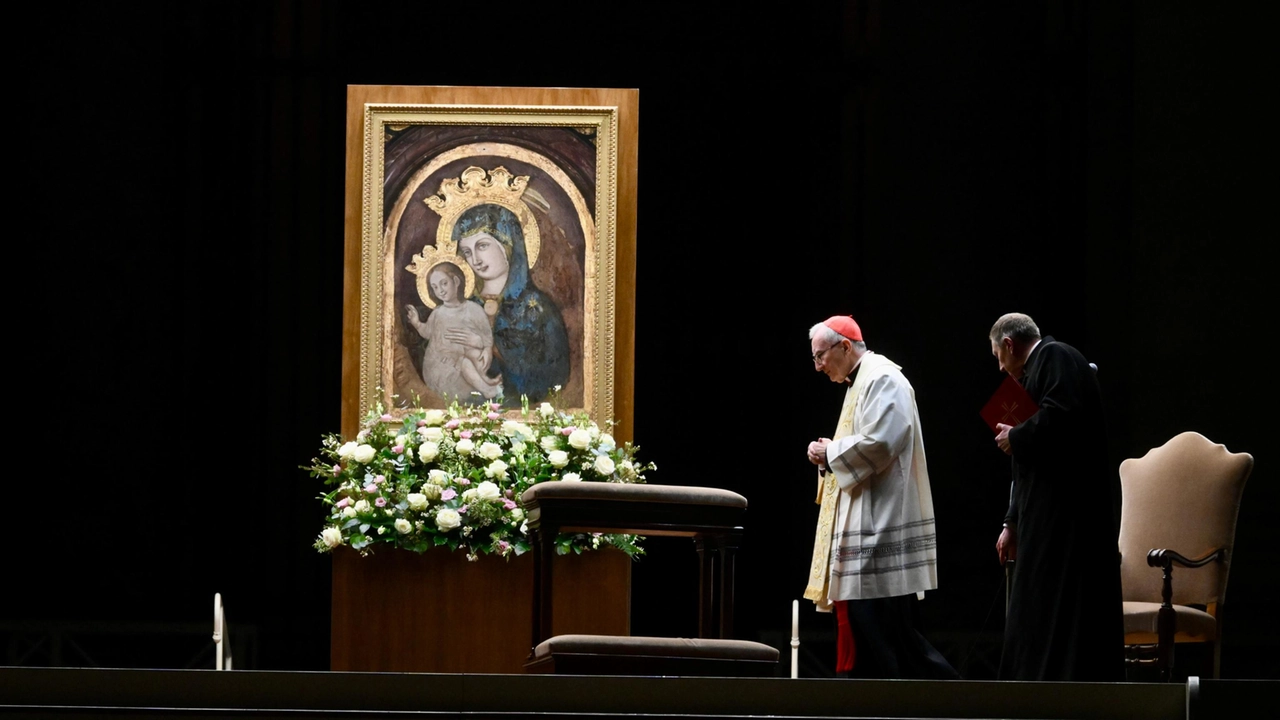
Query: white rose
x=465 y=446
x=403 y=526
x=434 y=417
x=469 y=495
x=593 y=431
x=345 y=451
x=488 y=491
x=401 y=439
x=558 y=458
x=427 y=451
x=571 y=477
x=517 y=515
x=332 y=537
x=382 y=529
x=362 y=506
x=607 y=443
x=545 y=410
x=417 y=501
x=515 y=428
x=626 y=469
x=448 y=519
x=517 y=448
x=604 y=465
x=348 y=512
x=438 y=477
x=580 y=439
x=363 y=453
x=490 y=451
x=434 y=434
x=429 y=492
x=549 y=442
x=496 y=469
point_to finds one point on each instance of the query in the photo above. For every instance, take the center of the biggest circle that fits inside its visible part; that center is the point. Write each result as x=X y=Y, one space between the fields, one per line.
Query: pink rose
x=452 y=424
x=508 y=504
x=386 y=417
x=567 y=431
x=494 y=416
x=343 y=502
x=337 y=469
x=398 y=449
x=422 y=423
x=448 y=494
x=494 y=407
x=371 y=488
x=380 y=502
x=379 y=479
x=465 y=434
x=463 y=481
x=463 y=509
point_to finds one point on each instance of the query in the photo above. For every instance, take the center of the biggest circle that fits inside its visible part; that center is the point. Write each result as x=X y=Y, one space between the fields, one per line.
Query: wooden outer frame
x=626 y=103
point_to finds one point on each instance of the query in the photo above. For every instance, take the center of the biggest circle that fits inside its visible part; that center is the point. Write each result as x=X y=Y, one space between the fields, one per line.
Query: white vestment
x=882 y=535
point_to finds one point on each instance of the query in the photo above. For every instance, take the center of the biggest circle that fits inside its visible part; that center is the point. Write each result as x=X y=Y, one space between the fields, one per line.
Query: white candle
x=795 y=618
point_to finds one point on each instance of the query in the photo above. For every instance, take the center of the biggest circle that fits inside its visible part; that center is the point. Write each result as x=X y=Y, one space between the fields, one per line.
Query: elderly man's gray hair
x=1014 y=325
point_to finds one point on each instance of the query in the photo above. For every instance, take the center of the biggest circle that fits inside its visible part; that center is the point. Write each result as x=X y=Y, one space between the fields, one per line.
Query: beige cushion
x=1183 y=496
x=1192 y=624
x=634 y=492
x=656 y=647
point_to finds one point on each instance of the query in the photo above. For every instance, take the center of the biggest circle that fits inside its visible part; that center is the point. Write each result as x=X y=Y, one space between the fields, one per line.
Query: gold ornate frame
x=376 y=249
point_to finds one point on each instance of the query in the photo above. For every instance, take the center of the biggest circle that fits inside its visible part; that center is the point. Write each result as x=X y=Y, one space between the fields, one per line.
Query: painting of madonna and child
x=487 y=263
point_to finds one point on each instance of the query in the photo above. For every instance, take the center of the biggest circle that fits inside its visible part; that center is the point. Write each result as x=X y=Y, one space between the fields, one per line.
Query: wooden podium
x=398 y=611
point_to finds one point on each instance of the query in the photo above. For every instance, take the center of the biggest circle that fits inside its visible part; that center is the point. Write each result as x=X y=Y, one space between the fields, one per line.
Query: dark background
x=1104 y=167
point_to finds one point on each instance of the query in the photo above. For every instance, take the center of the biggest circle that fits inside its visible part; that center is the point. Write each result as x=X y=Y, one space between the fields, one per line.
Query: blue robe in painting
x=531 y=345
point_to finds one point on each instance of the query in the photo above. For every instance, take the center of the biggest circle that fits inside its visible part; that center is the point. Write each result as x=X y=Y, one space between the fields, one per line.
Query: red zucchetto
x=844 y=325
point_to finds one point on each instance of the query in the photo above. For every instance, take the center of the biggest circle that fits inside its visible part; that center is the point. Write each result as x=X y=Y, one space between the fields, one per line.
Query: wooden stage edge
x=117 y=693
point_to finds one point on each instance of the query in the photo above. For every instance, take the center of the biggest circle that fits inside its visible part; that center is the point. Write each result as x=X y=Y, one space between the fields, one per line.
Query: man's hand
x=818 y=451
x=1007 y=546
x=1002 y=438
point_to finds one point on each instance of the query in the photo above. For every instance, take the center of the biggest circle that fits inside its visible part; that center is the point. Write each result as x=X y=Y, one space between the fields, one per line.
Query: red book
x=1010 y=405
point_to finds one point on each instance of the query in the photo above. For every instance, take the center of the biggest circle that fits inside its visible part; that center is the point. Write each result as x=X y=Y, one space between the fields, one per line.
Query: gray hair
x=1021 y=328
x=831 y=337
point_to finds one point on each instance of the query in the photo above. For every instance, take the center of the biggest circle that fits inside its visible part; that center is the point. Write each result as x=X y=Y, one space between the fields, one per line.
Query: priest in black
x=1065 y=618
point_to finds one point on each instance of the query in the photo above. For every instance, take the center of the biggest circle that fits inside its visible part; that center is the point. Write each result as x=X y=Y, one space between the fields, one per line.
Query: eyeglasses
x=818 y=355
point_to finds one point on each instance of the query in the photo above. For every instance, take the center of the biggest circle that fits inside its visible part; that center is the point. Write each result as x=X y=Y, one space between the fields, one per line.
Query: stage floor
x=117 y=693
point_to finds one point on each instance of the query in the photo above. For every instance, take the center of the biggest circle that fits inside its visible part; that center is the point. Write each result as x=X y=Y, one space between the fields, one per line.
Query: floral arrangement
x=454 y=478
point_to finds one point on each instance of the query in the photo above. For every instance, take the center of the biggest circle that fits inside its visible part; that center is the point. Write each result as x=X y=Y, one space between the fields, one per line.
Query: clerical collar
x=854 y=372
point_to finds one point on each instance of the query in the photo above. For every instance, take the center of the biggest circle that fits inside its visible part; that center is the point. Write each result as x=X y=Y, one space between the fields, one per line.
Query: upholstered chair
x=1179 y=509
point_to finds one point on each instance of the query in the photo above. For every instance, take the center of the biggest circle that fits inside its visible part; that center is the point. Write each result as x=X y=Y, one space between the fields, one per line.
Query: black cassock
x=1065 y=618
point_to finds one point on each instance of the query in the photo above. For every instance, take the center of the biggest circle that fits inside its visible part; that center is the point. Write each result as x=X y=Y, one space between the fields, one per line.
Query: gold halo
x=427 y=260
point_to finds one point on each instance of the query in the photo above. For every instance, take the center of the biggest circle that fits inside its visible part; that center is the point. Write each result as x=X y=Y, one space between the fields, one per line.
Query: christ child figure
x=459 y=339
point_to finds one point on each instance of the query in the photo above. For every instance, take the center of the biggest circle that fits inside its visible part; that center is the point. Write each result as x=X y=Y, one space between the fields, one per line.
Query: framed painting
x=492 y=253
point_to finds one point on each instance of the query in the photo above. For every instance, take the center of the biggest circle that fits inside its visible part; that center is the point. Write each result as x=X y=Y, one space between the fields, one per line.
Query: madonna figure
x=530 y=343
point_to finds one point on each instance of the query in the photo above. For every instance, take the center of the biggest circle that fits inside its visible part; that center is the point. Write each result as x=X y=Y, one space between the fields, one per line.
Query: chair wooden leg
x=1166 y=622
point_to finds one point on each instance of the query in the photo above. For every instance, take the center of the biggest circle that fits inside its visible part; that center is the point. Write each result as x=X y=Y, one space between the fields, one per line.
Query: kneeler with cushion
x=711 y=516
